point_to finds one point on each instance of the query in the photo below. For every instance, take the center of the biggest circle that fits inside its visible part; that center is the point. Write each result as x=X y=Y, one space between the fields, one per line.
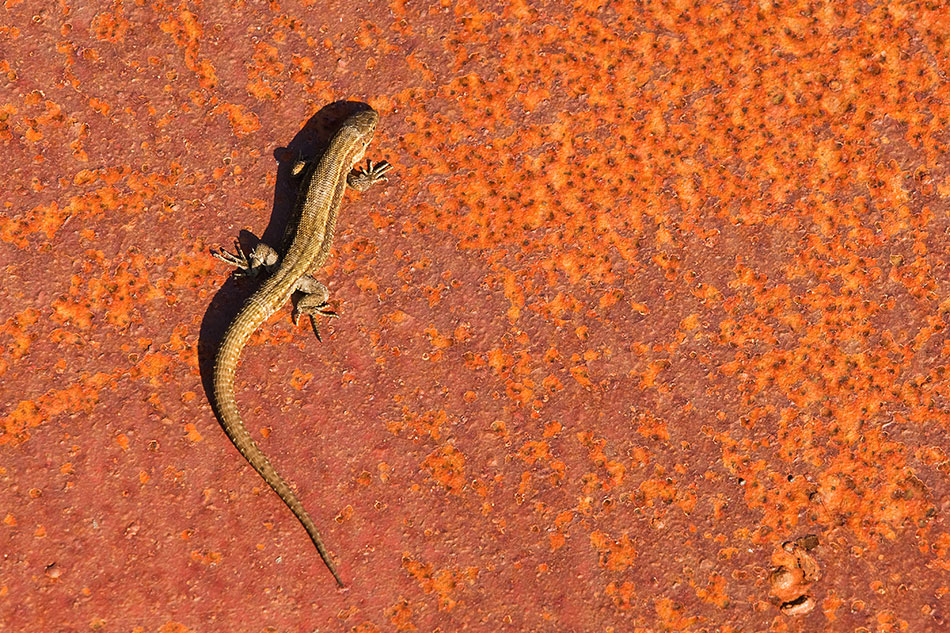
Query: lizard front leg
x=313 y=303
x=262 y=258
x=363 y=178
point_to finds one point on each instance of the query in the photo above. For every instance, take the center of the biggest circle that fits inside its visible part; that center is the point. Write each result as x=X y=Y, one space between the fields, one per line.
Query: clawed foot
x=362 y=178
x=312 y=311
x=313 y=303
x=262 y=258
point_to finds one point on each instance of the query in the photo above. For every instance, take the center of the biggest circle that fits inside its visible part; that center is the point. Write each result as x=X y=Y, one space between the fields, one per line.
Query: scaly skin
x=321 y=192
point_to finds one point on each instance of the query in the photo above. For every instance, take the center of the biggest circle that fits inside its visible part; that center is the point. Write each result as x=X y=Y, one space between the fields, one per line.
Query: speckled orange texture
x=655 y=290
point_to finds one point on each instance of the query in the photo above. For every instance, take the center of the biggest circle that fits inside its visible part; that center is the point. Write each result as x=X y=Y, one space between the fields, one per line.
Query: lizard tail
x=230 y=419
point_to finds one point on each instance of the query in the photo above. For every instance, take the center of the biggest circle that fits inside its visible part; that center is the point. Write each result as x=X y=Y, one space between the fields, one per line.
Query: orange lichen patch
x=500 y=361
x=114 y=196
x=552 y=384
x=100 y=106
x=563 y=519
x=81 y=396
x=690 y=323
x=192 y=434
x=651 y=427
x=300 y=379
x=400 y=615
x=500 y=430
x=830 y=606
x=524 y=488
x=184 y=353
x=671 y=615
x=615 y=554
x=301 y=72
x=420 y=425
x=119 y=292
x=110 y=26
x=686 y=498
x=7 y=110
x=559 y=309
x=580 y=374
x=205 y=557
x=887 y=499
x=474 y=361
x=622 y=594
x=557 y=539
x=941 y=550
x=614 y=469
x=16 y=327
x=446 y=466
x=398 y=317
x=462 y=333
x=192 y=271
x=658 y=490
x=32 y=134
x=384 y=471
x=514 y=294
x=434 y=293
x=153 y=366
x=242 y=122
x=714 y=592
x=649 y=375
x=44 y=219
x=438 y=341
x=534 y=451
x=367 y=284
x=187 y=32
x=520 y=392
x=263 y=66
x=444 y=583
x=52 y=118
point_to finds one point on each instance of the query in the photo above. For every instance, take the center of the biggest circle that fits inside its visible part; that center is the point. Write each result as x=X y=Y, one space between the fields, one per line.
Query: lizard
x=322 y=185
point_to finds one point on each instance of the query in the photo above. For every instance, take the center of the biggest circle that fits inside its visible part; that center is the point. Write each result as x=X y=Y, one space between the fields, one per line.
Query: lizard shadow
x=309 y=143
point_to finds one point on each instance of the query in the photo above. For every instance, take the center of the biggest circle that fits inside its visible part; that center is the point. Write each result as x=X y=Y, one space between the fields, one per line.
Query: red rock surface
x=655 y=289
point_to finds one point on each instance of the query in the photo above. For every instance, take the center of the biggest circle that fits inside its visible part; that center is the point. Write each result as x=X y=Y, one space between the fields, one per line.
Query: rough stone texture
x=657 y=290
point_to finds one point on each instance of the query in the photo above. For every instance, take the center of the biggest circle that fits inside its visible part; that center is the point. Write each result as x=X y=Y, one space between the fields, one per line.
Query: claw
x=312 y=312
x=362 y=178
x=225 y=256
x=237 y=259
x=262 y=258
x=313 y=324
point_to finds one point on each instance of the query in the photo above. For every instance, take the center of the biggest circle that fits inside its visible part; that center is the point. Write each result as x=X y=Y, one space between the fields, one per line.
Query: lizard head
x=362 y=124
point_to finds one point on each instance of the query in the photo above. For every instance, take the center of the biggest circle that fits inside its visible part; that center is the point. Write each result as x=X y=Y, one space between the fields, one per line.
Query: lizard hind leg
x=262 y=258
x=312 y=303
